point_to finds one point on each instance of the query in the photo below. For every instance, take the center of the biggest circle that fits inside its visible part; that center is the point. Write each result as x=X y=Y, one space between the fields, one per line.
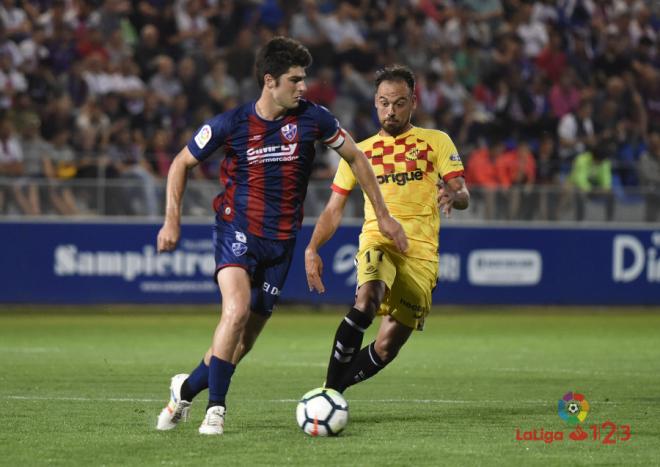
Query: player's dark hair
x=278 y=55
x=396 y=73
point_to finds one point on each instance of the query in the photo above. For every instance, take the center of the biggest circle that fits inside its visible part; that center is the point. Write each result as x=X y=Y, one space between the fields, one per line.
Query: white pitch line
x=571 y=372
x=376 y=401
x=80 y=399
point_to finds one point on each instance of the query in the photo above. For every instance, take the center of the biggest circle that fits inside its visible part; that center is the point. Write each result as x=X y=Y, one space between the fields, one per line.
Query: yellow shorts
x=409 y=281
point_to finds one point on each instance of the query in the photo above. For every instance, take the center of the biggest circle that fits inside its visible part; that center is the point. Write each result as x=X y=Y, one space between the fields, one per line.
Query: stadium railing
x=135 y=197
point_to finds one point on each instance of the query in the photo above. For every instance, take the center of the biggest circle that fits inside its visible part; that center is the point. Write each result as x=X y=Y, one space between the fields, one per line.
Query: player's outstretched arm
x=326 y=226
x=453 y=195
x=169 y=233
x=387 y=225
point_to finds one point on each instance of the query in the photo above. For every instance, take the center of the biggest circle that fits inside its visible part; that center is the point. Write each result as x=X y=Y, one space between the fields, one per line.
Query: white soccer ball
x=322 y=412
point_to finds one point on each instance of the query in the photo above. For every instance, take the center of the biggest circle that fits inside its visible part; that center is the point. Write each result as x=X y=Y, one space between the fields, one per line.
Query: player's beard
x=394 y=127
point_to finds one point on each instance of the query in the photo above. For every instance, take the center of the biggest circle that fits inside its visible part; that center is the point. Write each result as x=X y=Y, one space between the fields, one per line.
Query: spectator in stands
x=470 y=63
x=191 y=22
x=147 y=50
x=191 y=82
x=649 y=87
x=413 y=51
x=580 y=57
x=12 y=81
x=240 y=57
x=93 y=120
x=60 y=166
x=139 y=189
x=453 y=94
x=33 y=49
x=228 y=20
x=150 y=119
x=591 y=178
x=164 y=82
x=306 y=27
x=34 y=148
x=159 y=153
x=612 y=61
x=619 y=111
x=547 y=179
x=343 y=30
x=481 y=174
x=552 y=60
x=649 y=174
x=15 y=20
x=533 y=33
x=11 y=168
x=516 y=172
x=564 y=94
x=118 y=48
x=221 y=87
x=575 y=133
x=515 y=106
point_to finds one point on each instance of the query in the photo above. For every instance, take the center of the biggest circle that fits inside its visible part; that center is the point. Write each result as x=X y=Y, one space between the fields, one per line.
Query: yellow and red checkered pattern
x=408 y=169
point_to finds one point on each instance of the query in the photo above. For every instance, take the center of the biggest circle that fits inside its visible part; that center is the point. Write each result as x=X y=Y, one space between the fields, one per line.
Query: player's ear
x=269 y=81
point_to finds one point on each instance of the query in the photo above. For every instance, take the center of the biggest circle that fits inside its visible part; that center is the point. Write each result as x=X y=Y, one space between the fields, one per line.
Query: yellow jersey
x=408 y=168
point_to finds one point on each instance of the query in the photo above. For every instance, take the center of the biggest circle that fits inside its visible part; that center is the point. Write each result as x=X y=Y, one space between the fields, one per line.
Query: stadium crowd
x=535 y=94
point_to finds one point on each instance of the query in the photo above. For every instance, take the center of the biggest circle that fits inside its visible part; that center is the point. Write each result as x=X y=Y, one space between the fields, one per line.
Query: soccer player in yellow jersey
x=420 y=174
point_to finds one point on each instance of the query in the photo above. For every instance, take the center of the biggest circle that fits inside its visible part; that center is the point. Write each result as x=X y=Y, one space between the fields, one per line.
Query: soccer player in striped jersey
x=409 y=163
x=269 y=150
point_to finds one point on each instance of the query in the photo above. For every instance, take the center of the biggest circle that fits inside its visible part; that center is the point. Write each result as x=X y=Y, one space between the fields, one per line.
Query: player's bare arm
x=168 y=236
x=326 y=226
x=453 y=194
x=360 y=166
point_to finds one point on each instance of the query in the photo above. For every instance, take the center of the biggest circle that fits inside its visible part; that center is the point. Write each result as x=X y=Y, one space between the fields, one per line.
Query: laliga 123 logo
x=573 y=408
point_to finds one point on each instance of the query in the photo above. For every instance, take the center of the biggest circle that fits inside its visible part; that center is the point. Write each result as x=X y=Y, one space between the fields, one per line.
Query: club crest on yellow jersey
x=412 y=154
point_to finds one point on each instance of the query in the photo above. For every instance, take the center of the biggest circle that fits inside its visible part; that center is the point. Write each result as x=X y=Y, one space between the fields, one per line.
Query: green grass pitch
x=83 y=386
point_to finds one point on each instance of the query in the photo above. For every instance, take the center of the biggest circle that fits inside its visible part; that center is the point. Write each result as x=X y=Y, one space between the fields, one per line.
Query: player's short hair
x=278 y=55
x=396 y=73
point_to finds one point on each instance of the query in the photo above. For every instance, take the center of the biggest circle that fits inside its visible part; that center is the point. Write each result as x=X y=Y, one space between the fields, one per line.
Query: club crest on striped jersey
x=289 y=131
x=239 y=249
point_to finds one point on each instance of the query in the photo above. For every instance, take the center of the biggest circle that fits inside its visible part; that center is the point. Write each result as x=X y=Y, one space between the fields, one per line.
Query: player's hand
x=168 y=237
x=391 y=229
x=445 y=200
x=314 y=270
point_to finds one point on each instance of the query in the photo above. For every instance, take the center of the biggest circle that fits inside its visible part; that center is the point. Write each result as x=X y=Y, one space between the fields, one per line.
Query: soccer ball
x=573 y=408
x=322 y=412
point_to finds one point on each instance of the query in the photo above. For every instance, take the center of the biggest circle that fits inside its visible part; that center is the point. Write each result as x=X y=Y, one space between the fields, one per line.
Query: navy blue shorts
x=266 y=261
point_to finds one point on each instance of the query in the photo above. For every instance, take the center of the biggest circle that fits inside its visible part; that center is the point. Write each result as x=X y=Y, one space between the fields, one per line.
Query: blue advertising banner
x=118 y=263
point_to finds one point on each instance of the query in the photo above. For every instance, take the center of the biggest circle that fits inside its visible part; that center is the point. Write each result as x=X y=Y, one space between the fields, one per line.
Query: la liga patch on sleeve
x=203 y=136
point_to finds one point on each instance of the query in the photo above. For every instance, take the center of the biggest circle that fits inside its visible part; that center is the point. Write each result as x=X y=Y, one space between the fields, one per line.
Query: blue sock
x=196 y=382
x=220 y=372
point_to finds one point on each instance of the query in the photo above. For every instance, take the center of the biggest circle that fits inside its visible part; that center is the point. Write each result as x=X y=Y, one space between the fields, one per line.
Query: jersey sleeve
x=209 y=137
x=449 y=162
x=344 y=180
x=330 y=133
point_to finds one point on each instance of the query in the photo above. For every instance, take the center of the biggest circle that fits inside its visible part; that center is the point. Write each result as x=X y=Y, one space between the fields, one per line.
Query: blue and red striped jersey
x=267 y=164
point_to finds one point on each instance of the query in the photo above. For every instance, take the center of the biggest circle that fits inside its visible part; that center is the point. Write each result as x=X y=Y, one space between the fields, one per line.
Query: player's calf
x=346 y=345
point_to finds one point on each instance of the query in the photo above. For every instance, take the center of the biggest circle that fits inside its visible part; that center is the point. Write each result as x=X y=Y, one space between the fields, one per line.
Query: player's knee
x=368 y=305
x=369 y=298
x=235 y=316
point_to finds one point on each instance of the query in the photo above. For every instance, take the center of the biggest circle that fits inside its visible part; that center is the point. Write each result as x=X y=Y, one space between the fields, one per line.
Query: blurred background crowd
x=554 y=105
